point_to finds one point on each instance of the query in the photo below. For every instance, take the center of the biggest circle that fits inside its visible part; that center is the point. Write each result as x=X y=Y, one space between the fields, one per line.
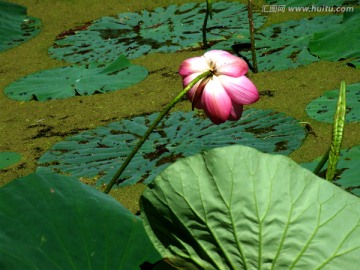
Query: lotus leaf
x=355 y=63
x=163 y=30
x=323 y=108
x=348 y=169
x=341 y=41
x=284 y=45
x=15 y=26
x=237 y=208
x=98 y=153
x=74 y=80
x=51 y=221
x=8 y=158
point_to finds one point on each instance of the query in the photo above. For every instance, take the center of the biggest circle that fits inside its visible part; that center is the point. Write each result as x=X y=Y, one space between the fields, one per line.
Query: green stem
x=208 y=13
x=252 y=36
x=115 y=178
x=321 y=163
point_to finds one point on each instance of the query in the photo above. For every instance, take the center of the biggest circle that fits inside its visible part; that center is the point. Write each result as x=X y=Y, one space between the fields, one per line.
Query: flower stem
x=115 y=178
x=252 y=38
x=207 y=14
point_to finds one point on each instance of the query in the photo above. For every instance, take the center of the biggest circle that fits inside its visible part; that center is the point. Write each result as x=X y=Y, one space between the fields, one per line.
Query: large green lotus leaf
x=341 y=41
x=237 y=208
x=69 y=81
x=98 y=153
x=51 y=221
x=283 y=46
x=8 y=158
x=348 y=169
x=15 y=26
x=316 y=3
x=323 y=108
x=163 y=30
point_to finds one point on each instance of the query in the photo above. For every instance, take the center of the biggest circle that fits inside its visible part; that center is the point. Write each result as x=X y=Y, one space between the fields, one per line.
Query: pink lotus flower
x=223 y=94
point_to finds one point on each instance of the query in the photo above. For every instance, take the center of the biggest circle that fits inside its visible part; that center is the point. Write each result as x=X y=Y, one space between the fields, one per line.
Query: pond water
x=32 y=128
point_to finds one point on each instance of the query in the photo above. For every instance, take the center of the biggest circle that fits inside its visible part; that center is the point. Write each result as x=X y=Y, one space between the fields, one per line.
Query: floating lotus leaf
x=51 y=221
x=323 y=108
x=98 y=153
x=237 y=208
x=355 y=63
x=8 y=158
x=69 y=81
x=15 y=26
x=341 y=41
x=348 y=169
x=285 y=45
x=315 y=3
x=163 y=30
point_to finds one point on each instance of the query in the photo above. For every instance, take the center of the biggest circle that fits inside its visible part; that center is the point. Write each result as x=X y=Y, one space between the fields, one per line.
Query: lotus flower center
x=212 y=67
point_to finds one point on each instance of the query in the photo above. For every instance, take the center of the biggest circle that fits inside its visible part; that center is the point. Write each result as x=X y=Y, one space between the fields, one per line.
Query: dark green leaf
x=15 y=26
x=341 y=41
x=163 y=30
x=348 y=169
x=355 y=63
x=66 y=82
x=237 y=208
x=323 y=108
x=52 y=221
x=98 y=153
x=284 y=45
x=8 y=158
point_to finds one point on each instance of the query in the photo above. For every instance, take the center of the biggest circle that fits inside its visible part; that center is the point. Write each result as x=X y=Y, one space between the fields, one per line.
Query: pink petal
x=226 y=63
x=189 y=78
x=193 y=65
x=213 y=119
x=217 y=55
x=216 y=102
x=236 y=112
x=190 y=94
x=241 y=90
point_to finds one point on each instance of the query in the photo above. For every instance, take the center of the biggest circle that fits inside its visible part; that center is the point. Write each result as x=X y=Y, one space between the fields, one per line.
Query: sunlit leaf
x=237 y=208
